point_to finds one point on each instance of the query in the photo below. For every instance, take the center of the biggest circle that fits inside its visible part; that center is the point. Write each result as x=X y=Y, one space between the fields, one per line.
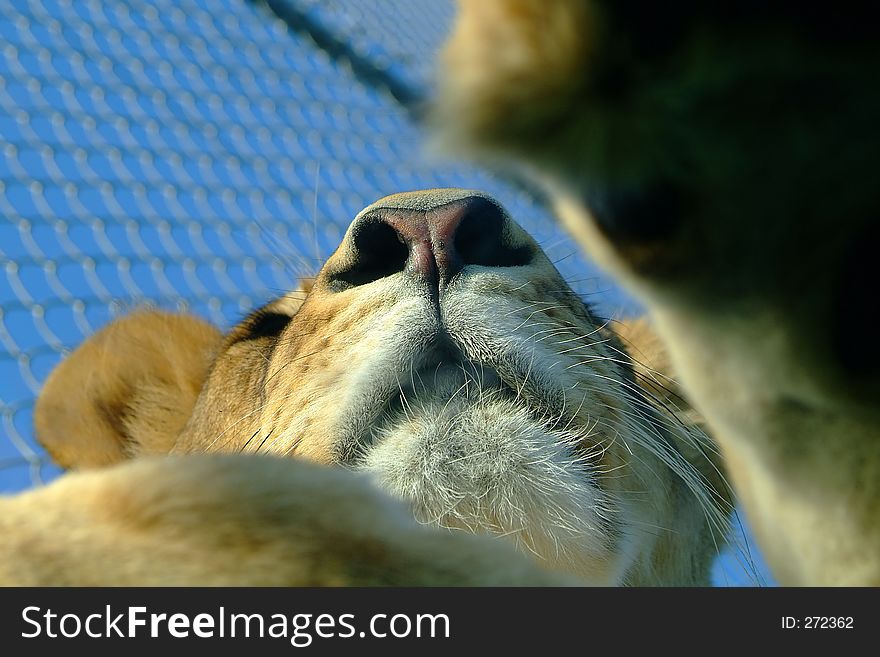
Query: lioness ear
x=128 y=390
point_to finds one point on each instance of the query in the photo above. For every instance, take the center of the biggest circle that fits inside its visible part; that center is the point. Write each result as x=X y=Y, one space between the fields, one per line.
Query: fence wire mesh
x=200 y=155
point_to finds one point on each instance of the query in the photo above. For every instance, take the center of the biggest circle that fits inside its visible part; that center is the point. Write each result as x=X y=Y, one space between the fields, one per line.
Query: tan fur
x=759 y=279
x=536 y=432
x=233 y=521
x=98 y=408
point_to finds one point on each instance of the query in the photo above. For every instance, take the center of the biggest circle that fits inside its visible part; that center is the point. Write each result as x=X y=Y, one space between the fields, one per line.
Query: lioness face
x=718 y=161
x=439 y=350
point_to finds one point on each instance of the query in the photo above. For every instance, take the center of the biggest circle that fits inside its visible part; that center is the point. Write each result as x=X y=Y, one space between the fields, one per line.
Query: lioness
x=438 y=354
x=719 y=160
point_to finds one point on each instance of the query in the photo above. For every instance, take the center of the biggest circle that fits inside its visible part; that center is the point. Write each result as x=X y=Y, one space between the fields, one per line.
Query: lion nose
x=431 y=244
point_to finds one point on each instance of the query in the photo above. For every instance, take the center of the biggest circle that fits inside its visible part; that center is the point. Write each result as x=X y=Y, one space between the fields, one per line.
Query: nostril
x=431 y=244
x=480 y=238
x=378 y=251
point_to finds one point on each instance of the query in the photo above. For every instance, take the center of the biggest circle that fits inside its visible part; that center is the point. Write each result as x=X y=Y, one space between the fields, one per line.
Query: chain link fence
x=201 y=155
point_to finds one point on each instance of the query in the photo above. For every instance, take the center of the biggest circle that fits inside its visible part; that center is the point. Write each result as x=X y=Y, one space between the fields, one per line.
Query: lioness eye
x=645 y=213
